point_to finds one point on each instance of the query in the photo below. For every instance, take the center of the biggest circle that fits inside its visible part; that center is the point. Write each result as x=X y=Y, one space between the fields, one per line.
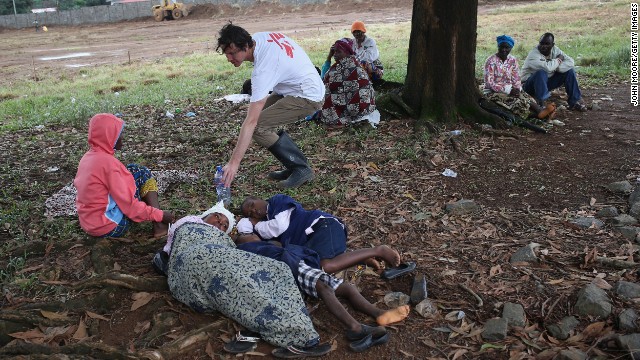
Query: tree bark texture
x=440 y=83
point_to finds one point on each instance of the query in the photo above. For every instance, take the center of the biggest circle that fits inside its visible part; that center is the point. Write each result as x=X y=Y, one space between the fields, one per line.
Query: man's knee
x=570 y=74
x=540 y=74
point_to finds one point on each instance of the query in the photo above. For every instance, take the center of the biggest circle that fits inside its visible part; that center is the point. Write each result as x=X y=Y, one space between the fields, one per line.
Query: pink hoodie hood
x=104 y=131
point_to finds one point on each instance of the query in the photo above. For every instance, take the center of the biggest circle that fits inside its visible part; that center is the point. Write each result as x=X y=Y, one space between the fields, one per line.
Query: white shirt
x=280 y=65
x=273 y=228
x=368 y=51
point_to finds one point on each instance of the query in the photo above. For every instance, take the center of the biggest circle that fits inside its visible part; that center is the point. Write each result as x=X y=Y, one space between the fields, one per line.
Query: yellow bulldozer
x=168 y=9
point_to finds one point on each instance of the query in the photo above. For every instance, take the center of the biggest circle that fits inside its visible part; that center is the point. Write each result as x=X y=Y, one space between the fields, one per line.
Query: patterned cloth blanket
x=63 y=202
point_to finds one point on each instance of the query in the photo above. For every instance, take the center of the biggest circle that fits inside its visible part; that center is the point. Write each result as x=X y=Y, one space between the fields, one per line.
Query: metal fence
x=117 y=12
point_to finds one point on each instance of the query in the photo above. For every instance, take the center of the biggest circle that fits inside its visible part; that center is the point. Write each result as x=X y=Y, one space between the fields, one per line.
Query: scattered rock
x=624 y=220
x=395 y=299
x=635 y=196
x=608 y=212
x=514 y=314
x=495 y=329
x=571 y=354
x=524 y=254
x=593 y=301
x=419 y=289
x=627 y=289
x=562 y=330
x=627 y=320
x=462 y=207
x=623 y=187
x=587 y=222
x=635 y=210
x=630 y=343
x=629 y=232
x=426 y=308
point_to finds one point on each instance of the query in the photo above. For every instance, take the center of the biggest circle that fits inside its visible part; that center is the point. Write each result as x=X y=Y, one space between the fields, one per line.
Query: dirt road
x=67 y=49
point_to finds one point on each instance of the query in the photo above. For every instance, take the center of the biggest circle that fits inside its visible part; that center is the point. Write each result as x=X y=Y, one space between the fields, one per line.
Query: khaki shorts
x=278 y=111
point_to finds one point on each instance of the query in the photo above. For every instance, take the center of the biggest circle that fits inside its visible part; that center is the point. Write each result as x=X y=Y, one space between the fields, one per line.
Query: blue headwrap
x=505 y=39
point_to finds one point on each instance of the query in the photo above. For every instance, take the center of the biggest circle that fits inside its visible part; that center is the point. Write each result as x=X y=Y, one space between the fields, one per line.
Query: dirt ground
x=528 y=186
x=67 y=49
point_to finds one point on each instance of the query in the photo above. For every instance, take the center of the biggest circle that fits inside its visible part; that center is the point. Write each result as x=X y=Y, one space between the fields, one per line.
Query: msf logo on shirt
x=284 y=45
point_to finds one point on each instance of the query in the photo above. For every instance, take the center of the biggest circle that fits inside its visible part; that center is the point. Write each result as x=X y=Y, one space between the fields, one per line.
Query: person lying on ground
x=502 y=84
x=367 y=52
x=284 y=219
x=546 y=68
x=208 y=273
x=110 y=194
x=349 y=95
x=305 y=266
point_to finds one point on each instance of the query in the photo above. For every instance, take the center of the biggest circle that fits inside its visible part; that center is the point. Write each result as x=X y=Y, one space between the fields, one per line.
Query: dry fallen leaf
x=28 y=335
x=81 y=331
x=601 y=283
x=209 y=350
x=96 y=316
x=54 y=315
x=593 y=330
x=459 y=353
x=142 y=327
x=140 y=299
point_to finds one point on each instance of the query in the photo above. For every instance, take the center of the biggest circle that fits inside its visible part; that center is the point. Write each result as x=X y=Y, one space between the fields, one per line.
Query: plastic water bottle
x=224 y=192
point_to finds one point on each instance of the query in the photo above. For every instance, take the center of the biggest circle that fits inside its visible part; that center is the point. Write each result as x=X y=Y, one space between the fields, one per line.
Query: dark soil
x=386 y=184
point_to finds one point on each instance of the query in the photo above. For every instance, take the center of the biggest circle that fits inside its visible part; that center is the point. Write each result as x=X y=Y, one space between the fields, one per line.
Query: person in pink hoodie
x=110 y=194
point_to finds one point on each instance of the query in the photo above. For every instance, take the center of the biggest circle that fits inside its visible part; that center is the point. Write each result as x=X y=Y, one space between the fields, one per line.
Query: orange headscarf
x=358 y=25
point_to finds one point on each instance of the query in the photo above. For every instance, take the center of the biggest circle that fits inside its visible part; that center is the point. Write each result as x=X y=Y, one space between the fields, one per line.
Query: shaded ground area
x=102 y=299
x=387 y=185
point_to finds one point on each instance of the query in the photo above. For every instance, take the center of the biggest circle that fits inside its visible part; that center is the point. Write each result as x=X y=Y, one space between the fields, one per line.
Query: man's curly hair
x=232 y=34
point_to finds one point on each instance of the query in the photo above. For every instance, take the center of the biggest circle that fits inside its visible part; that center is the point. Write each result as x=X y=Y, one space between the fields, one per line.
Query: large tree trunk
x=440 y=83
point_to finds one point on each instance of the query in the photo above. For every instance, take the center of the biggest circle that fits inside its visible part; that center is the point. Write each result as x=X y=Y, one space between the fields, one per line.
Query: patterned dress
x=349 y=94
x=208 y=273
x=499 y=78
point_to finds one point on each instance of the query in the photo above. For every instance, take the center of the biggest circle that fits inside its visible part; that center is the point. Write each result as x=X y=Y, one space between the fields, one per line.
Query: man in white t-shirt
x=280 y=66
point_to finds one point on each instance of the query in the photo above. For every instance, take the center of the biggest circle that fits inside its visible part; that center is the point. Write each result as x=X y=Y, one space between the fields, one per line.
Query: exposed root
x=127 y=281
x=621 y=264
x=465 y=287
x=184 y=344
x=86 y=349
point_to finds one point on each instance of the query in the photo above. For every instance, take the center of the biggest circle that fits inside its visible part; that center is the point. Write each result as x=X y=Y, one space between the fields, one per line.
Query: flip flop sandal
x=578 y=107
x=243 y=342
x=295 y=352
x=239 y=347
x=397 y=271
x=376 y=331
x=367 y=342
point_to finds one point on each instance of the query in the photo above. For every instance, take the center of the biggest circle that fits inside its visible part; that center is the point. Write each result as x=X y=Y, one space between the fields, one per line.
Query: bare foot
x=159 y=230
x=375 y=264
x=390 y=256
x=394 y=315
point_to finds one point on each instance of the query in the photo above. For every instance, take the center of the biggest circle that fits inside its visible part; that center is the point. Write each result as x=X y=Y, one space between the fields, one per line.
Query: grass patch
x=602 y=54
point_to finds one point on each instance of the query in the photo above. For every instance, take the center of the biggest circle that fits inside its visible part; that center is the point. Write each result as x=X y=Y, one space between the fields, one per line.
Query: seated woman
x=349 y=96
x=206 y=272
x=367 y=52
x=502 y=84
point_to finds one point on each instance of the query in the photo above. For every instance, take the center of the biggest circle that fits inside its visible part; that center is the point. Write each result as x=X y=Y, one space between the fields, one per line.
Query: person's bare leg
x=351 y=258
x=326 y=294
x=359 y=303
x=151 y=199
